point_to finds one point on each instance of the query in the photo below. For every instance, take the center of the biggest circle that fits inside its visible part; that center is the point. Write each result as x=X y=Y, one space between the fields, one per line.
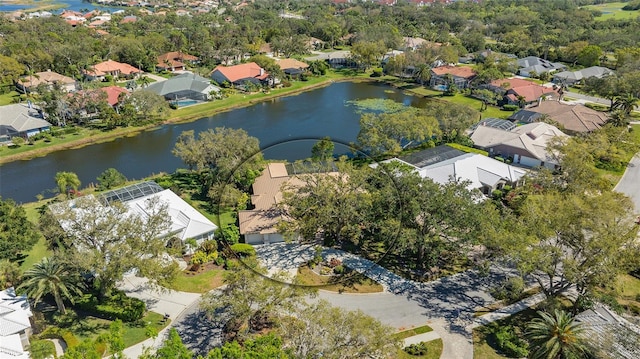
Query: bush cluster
x=201 y=257
x=59 y=333
x=243 y=249
x=417 y=349
x=510 y=107
x=510 y=343
x=118 y=306
x=510 y=290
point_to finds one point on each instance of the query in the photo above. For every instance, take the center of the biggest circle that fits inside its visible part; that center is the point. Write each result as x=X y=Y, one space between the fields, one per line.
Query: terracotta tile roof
x=242 y=71
x=291 y=64
x=47 y=77
x=458 y=71
x=108 y=66
x=530 y=92
x=113 y=94
x=510 y=83
x=174 y=59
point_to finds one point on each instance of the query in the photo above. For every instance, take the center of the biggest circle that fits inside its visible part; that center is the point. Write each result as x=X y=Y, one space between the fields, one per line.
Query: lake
x=75 y=5
x=287 y=128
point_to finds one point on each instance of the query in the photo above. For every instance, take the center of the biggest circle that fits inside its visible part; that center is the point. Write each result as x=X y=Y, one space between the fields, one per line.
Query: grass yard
x=89 y=328
x=413 y=331
x=461 y=99
x=613 y=11
x=434 y=350
x=484 y=343
x=36 y=254
x=200 y=282
x=9 y=98
x=352 y=282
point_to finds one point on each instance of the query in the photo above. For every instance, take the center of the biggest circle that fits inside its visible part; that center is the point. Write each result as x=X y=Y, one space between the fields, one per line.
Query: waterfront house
x=239 y=75
x=444 y=76
x=21 y=120
x=292 y=67
x=185 y=86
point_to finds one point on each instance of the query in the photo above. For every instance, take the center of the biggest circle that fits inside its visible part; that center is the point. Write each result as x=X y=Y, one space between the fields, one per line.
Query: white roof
x=479 y=170
x=186 y=221
x=14 y=319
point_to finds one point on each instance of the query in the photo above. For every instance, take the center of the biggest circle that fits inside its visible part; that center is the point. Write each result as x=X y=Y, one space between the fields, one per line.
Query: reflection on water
x=315 y=114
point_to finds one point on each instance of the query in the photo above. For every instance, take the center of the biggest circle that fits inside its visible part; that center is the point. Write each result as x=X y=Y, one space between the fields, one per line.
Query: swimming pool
x=186 y=102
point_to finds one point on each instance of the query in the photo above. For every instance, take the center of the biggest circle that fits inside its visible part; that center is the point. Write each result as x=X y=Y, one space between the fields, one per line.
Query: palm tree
x=422 y=73
x=619 y=118
x=626 y=103
x=51 y=276
x=66 y=181
x=555 y=337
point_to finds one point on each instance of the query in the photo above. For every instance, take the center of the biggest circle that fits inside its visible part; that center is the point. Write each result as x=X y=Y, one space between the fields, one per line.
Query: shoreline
x=174 y=119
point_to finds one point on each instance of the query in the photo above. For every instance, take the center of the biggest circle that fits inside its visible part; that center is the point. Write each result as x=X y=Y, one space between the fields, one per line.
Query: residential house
x=258 y=225
x=114 y=94
x=442 y=76
x=336 y=59
x=513 y=90
x=292 y=67
x=29 y=83
x=606 y=329
x=573 y=77
x=444 y=164
x=525 y=145
x=111 y=68
x=238 y=75
x=572 y=118
x=15 y=325
x=534 y=65
x=175 y=61
x=21 y=120
x=186 y=221
x=185 y=86
x=413 y=43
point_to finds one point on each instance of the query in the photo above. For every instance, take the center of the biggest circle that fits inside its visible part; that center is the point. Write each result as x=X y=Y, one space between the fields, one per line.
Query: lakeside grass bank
x=87 y=137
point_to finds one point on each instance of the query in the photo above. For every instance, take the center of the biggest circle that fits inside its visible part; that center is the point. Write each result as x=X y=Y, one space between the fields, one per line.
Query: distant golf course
x=613 y=10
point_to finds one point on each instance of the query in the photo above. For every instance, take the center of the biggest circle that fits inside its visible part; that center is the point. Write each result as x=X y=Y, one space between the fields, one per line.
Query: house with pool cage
x=186 y=221
x=185 y=89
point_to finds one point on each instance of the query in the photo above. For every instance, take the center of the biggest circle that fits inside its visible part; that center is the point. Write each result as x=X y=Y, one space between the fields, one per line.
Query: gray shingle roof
x=183 y=82
x=21 y=118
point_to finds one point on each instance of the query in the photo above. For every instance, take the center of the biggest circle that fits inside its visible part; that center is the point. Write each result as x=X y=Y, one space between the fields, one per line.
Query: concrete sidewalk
x=159 y=300
x=508 y=310
x=424 y=337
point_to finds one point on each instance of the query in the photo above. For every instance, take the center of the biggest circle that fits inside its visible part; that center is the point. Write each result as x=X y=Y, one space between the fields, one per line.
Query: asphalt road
x=630 y=182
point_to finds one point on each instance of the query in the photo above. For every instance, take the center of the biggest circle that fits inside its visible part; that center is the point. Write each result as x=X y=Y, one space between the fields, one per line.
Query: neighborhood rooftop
x=431 y=155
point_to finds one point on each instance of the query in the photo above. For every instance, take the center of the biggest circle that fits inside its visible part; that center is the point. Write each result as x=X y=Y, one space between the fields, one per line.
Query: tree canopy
x=17 y=233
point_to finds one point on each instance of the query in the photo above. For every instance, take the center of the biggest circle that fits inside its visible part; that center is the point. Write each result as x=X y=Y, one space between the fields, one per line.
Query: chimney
x=539 y=100
x=261 y=71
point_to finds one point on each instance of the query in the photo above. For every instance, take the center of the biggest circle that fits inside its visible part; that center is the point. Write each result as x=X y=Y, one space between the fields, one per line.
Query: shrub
x=510 y=343
x=243 y=249
x=417 y=349
x=377 y=73
x=510 y=290
x=41 y=349
x=59 y=333
x=596 y=106
x=201 y=257
x=338 y=269
x=286 y=83
x=510 y=107
x=231 y=234
x=118 y=306
x=65 y=320
x=219 y=261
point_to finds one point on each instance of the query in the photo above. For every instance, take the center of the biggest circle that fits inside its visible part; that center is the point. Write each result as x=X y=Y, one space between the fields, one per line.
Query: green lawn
x=461 y=99
x=36 y=254
x=8 y=98
x=613 y=10
x=484 y=344
x=434 y=350
x=201 y=282
x=89 y=328
x=413 y=331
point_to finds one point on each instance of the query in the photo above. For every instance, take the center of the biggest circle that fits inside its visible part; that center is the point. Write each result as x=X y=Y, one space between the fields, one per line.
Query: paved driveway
x=447 y=305
x=630 y=182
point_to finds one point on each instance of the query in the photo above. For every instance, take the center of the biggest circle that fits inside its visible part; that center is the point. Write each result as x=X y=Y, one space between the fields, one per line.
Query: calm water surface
x=75 y=5
x=280 y=125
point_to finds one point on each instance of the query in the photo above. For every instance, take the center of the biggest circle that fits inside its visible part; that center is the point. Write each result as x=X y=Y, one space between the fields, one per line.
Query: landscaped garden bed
x=335 y=277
